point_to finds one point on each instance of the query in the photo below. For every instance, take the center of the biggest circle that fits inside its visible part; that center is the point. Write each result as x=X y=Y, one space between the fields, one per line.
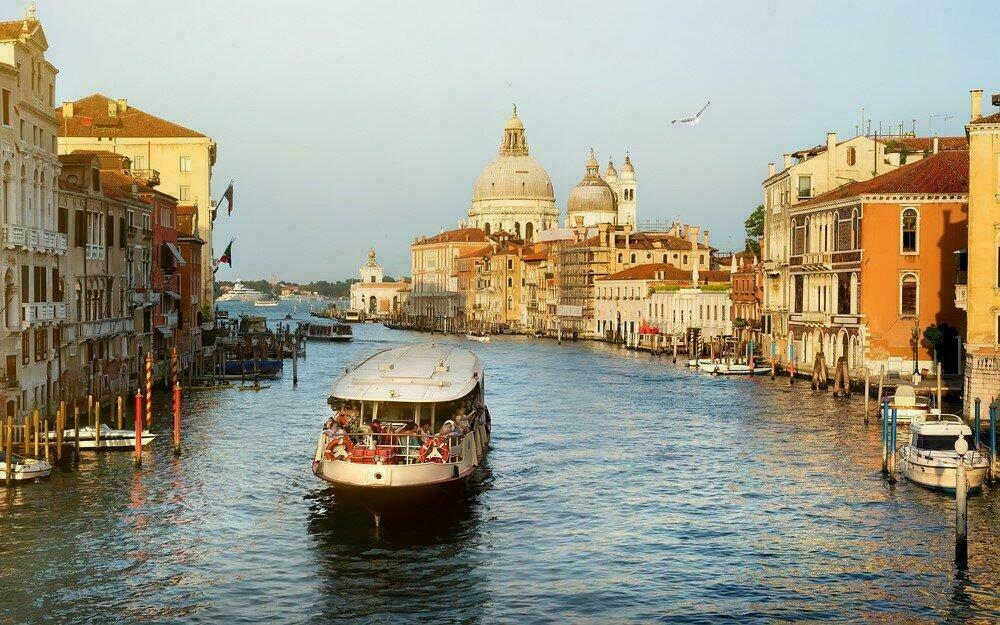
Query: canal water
x=620 y=488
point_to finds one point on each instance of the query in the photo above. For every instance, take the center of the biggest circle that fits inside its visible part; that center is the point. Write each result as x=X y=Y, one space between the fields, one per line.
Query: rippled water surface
x=620 y=488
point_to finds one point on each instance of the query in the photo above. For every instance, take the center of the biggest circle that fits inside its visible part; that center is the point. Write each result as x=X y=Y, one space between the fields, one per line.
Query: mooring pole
x=976 y=424
x=961 y=505
x=177 y=418
x=137 y=422
x=295 y=364
x=892 y=448
x=867 y=392
x=993 y=441
x=885 y=439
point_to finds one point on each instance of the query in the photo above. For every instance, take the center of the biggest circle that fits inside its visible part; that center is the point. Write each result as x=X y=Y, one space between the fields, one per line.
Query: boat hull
x=25 y=471
x=940 y=474
x=721 y=368
x=111 y=440
x=330 y=339
x=239 y=369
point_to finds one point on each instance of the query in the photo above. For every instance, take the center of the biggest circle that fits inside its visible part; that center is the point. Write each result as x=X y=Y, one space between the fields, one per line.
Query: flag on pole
x=227 y=256
x=228 y=196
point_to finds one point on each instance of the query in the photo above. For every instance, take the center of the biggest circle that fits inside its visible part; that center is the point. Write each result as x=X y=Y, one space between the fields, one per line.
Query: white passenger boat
x=337 y=332
x=725 y=368
x=266 y=303
x=240 y=293
x=482 y=338
x=24 y=469
x=369 y=451
x=908 y=404
x=110 y=439
x=929 y=458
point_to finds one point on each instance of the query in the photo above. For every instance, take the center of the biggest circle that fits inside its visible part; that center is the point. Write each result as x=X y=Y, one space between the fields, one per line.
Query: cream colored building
x=513 y=193
x=32 y=230
x=373 y=297
x=980 y=295
x=183 y=157
x=434 y=289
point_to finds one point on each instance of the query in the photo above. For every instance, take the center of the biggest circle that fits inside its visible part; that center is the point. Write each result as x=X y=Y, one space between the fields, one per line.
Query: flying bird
x=691 y=121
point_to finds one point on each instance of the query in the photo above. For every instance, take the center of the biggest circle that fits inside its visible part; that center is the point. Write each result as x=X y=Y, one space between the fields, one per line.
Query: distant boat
x=722 y=368
x=907 y=404
x=240 y=293
x=110 y=439
x=24 y=469
x=340 y=332
x=268 y=303
x=482 y=338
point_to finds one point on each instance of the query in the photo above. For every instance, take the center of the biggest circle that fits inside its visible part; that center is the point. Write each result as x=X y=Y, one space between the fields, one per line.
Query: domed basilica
x=514 y=192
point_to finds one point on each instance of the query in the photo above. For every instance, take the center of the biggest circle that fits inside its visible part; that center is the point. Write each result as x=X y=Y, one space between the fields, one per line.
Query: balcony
x=42 y=312
x=34 y=239
x=95 y=251
x=817 y=260
x=816 y=317
x=106 y=327
x=961 y=296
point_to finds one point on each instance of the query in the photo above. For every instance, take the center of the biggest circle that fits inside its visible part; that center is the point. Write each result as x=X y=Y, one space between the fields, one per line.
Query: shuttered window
x=908 y=295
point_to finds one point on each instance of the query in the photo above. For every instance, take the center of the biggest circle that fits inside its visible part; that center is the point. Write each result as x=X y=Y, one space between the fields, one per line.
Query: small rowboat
x=24 y=469
x=109 y=439
x=258 y=387
x=482 y=338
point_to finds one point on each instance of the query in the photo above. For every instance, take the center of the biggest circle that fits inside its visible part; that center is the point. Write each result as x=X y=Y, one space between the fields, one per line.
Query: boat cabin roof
x=939 y=425
x=418 y=373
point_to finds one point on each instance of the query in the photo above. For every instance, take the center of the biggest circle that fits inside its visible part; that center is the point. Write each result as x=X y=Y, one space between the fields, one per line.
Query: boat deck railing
x=398 y=448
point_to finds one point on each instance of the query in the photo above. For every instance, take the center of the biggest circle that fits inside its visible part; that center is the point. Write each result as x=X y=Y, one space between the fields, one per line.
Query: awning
x=176 y=252
x=172 y=294
x=165 y=331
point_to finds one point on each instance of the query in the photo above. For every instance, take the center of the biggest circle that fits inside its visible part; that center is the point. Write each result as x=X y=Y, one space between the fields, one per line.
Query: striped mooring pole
x=149 y=390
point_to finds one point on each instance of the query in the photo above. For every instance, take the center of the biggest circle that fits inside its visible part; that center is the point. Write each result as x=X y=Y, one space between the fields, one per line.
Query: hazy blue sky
x=351 y=124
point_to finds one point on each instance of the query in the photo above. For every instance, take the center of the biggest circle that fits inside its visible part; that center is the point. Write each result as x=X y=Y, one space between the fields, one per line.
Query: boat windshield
x=940 y=442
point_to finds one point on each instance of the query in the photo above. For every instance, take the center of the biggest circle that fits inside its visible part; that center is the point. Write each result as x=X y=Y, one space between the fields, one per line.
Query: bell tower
x=371 y=271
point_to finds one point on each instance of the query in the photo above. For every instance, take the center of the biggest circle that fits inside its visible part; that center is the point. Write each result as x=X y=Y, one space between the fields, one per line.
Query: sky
x=351 y=125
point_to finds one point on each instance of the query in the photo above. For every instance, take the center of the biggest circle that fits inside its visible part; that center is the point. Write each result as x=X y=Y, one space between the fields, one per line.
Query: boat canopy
x=419 y=373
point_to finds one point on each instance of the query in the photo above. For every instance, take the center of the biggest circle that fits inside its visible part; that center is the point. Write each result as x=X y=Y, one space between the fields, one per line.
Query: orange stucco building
x=873 y=264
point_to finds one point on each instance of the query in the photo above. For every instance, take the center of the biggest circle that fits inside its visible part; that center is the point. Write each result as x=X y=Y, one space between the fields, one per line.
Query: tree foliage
x=754 y=226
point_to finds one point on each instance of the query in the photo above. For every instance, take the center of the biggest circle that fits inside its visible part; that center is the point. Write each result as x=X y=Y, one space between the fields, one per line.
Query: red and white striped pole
x=138 y=427
x=177 y=418
x=149 y=390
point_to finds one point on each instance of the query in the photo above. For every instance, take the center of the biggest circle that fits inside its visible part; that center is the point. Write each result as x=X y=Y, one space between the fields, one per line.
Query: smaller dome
x=612 y=173
x=514 y=123
x=592 y=194
x=628 y=172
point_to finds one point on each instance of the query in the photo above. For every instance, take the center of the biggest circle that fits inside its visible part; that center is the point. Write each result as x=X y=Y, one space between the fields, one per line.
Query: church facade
x=373 y=297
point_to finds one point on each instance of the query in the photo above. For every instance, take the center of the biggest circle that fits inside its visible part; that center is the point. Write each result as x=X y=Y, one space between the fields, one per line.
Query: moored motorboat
x=696 y=362
x=929 y=457
x=482 y=338
x=410 y=426
x=265 y=368
x=732 y=368
x=109 y=439
x=24 y=469
x=907 y=404
x=266 y=303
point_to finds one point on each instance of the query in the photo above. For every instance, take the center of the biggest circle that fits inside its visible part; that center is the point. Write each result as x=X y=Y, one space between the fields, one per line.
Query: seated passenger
x=424 y=431
x=407 y=440
x=447 y=428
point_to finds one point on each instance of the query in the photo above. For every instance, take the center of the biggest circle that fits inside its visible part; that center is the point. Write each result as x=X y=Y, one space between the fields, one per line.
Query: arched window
x=908 y=295
x=633 y=258
x=852 y=157
x=529 y=231
x=517 y=229
x=619 y=257
x=510 y=282
x=908 y=235
x=664 y=258
x=486 y=228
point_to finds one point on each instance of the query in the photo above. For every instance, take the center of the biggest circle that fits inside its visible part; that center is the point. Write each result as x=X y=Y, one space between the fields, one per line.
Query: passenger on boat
x=408 y=441
x=447 y=428
x=424 y=431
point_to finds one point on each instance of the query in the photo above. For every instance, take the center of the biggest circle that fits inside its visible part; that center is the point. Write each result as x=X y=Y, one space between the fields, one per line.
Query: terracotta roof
x=131 y=122
x=926 y=144
x=645 y=241
x=942 y=173
x=119 y=185
x=460 y=235
x=478 y=252
x=990 y=119
x=105 y=153
x=535 y=256
x=82 y=158
x=670 y=272
x=14 y=28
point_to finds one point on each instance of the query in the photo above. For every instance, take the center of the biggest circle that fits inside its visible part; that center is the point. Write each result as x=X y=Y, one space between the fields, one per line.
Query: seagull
x=691 y=121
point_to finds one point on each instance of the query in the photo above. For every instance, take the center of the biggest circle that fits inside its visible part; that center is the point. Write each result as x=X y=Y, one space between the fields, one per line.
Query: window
x=109 y=231
x=805 y=187
x=908 y=295
x=909 y=231
x=633 y=258
x=852 y=157
x=799 y=291
x=6 y=107
x=185 y=164
x=138 y=162
x=184 y=194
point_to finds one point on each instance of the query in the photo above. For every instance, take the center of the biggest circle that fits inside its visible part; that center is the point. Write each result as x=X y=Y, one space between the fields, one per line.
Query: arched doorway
x=372 y=305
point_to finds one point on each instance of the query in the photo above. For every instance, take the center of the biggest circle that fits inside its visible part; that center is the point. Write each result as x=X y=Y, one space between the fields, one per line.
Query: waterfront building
x=809 y=173
x=628 y=299
x=374 y=297
x=434 y=292
x=501 y=284
x=514 y=192
x=34 y=234
x=103 y=345
x=192 y=313
x=747 y=291
x=979 y=292
x=183 y=157
x=871 y=266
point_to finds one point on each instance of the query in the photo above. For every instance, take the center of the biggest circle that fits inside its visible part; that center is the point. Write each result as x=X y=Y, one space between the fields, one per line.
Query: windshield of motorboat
x=939 y=442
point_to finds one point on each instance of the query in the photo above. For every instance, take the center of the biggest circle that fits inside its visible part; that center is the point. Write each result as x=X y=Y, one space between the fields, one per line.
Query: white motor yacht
x=929 y=457
x=109 y=439
x=732 y=368
x=907 y=403
x=23 y=469
x=368 y=450
x=240 y=293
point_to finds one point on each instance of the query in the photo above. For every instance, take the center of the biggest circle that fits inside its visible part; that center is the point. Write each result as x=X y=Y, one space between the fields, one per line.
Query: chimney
x=706 y=237
x=67 y=109
x=770 y=170
x=788 y=160
x=977 y=103
x=122 y=105
x=831 y=160
x=935 y=145
x=693 y=236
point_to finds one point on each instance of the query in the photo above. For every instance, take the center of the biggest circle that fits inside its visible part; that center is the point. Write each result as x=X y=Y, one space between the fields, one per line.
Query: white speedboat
x=369 y=452
x=929 y=457
x=240 y=293
x=482 y=338
x=110 y=439
x=908 y=404
x=266 y=303
x=24 y=469
x=696 y=362
x=725 y=368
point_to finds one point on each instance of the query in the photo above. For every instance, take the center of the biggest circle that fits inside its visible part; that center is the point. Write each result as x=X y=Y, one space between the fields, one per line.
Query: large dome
x=513 y=177
x=592 y=194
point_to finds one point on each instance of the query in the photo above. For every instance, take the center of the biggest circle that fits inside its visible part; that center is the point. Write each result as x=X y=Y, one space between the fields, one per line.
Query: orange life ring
x=434 y=443
x=344 y=441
